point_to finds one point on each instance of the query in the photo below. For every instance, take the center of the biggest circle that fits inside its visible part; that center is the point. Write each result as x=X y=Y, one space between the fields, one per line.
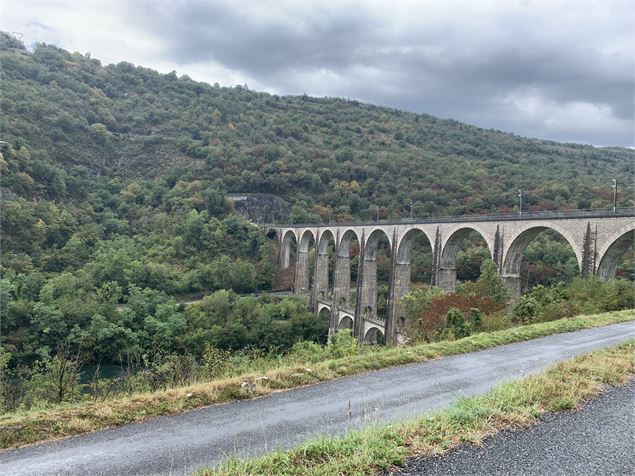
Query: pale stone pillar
x=341 y=290
x=321 y=281
x=366 y=294
x=342 y=282
x=446 y=279
x=285 y=254
x=301 y=285
x=399 y=287
x=513 y=286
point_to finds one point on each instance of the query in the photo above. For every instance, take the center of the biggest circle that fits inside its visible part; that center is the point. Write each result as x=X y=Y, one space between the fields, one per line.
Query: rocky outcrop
x=261 y=207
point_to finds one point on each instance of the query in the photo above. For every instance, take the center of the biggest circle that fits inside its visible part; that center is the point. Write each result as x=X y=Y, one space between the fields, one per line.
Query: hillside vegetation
x=114 y=184
x=81 y=122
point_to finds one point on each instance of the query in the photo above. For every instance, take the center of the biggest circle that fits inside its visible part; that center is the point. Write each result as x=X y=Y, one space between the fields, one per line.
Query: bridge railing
x=380 y=321
x=529 y=215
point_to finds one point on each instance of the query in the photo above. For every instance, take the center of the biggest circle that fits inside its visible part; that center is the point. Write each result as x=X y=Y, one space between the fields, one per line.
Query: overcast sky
x=554 y=70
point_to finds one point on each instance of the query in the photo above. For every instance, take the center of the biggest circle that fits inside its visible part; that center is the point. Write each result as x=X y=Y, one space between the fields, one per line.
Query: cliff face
x=261 y=207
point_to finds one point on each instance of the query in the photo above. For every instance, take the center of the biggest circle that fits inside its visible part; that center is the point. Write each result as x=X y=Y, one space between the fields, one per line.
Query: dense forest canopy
x=114 y=182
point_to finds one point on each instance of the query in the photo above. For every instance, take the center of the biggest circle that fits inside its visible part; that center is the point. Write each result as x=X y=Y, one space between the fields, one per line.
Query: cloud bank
x=561 y=71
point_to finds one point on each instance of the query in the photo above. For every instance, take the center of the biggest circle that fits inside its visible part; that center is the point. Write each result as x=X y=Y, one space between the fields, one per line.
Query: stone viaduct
x=598 y=237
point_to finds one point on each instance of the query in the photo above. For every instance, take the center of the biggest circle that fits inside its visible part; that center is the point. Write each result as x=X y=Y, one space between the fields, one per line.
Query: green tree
x=490 y=284
x=456 y=326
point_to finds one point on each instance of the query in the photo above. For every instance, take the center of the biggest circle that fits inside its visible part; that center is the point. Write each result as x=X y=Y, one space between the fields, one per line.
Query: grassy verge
x=22 y=428
x=513 y=405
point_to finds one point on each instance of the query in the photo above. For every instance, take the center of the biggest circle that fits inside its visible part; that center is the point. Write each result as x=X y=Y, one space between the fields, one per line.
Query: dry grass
x=22 y=428
x=511 y=406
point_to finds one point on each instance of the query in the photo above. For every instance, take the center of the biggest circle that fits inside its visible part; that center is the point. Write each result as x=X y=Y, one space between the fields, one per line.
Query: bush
x=593 y=295
x=496 y=322
x=55 y=380
x=456 y=326
x=5 y=388
x=215 y=362
x=172 y=371
x=343 y=344
x=525 y=309
x=416 y=304
x=307 y=351
x=489 y=285
x=476 y=317
x=622 y=294
x=434 y=319
x=586 y=295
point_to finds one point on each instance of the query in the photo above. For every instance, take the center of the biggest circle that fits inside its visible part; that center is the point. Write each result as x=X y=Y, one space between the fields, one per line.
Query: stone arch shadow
x=514 y=253
x=346 y=322
x=374 y=335
x=609 y=255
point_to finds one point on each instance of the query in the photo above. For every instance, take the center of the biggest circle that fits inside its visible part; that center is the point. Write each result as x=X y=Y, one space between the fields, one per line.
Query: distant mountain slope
x=81 y=121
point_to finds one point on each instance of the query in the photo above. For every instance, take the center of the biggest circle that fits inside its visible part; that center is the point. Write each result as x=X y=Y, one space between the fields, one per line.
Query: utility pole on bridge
x=614 y=195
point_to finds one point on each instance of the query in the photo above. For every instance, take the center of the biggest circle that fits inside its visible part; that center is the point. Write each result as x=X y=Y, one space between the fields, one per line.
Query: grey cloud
x=202 y=32
x=446 y=67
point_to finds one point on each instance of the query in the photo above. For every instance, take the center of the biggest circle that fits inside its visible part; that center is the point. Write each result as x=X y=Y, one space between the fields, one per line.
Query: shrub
x=593 y=295
x=307 y=351
x=172 y=371
x=456 y=326
x=343 y=344
x=434 y=318
x=489 y=285
x=496 y=322
x=525 y=309
x=416 y=304
x=5 y=357
x=622 y=294
x=215 y=362
x=55 y=380
x=476 y=317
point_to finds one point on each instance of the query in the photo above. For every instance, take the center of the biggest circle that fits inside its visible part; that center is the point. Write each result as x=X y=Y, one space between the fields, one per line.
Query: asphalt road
x=180 y=444
x=598 y=440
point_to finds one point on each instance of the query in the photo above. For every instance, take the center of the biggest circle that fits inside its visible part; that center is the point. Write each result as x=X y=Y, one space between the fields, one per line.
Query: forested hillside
x=114 y=184
x=79 y=122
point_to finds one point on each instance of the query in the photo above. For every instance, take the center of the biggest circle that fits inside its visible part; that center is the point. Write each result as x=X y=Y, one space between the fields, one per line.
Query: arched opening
x=617 y=260
x=374 y=337
x=511 y=270
x=345 y=323
x=412 y=269
x=324 y=314
x=324 y=267
x=461 y=258
x=415 y=255
x=287 y=258
x=376 y=269
x=345 y=271
x=548 y=259
x=304 y=263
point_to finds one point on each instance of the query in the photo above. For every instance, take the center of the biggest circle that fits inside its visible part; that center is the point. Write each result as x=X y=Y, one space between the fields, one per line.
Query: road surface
x=180 y=444
x=598 y=440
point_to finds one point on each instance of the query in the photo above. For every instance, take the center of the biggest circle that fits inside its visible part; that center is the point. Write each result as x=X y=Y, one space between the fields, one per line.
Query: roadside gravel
x=597 y=440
